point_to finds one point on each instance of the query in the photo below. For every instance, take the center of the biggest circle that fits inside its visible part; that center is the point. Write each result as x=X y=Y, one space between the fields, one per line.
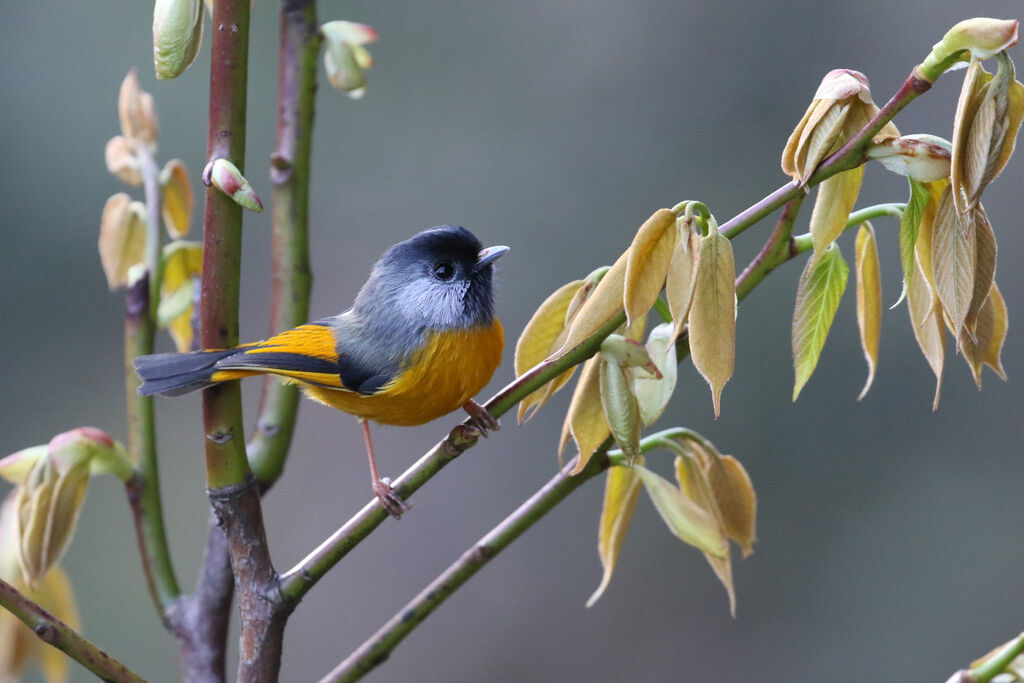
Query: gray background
x=889 y=535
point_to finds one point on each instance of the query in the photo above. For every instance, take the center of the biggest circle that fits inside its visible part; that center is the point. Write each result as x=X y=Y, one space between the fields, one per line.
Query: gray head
x=440 y=279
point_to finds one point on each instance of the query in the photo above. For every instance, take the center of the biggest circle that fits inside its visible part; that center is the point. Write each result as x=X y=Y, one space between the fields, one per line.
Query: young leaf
x=122 y=241
x=984 y=266
x=684 y=517
x=182 y=267
x=869 y=299
x=178 y=201
x=538 y=340
x=954 y=255
x=682 y=276
x=620 y=408
x=648 y=262
x=926 y=322
x=621 y=490
x=653 y=394
x=601 y=306
x=712 y=318
x=910 y=222
x=585 y=422
x=736 y=500
x=822 y=284
x=987 y=346
x=832 y=207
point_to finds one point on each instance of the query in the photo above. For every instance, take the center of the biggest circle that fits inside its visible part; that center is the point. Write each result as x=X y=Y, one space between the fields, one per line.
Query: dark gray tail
x=172 y=374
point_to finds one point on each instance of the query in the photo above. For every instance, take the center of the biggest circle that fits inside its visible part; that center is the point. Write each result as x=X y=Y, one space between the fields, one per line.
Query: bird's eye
x=444 y=270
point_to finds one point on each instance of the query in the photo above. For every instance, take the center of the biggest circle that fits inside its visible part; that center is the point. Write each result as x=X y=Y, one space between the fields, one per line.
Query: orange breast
x=451 y=368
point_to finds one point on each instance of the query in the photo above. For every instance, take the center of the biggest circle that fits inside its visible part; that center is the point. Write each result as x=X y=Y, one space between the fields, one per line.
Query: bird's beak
x=489 y=255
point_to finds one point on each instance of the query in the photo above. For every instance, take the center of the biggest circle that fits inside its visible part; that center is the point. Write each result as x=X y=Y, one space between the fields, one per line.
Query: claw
x=390 y=500
x=481 y=418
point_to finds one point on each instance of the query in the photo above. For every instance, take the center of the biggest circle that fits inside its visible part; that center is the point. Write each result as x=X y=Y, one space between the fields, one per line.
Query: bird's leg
x=480 y=417
x=391 y=501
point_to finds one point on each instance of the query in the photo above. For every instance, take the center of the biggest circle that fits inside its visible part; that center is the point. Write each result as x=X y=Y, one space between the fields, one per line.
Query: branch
x=289 y=299
x=379 y=646
x=55 y=632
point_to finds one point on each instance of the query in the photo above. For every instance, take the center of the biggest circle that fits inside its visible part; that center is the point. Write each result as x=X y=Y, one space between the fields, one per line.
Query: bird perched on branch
x=420 y=341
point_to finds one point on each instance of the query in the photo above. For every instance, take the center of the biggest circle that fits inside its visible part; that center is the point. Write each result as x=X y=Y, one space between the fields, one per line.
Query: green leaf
x=684 y=517
x=910 y=223
x=821 y=287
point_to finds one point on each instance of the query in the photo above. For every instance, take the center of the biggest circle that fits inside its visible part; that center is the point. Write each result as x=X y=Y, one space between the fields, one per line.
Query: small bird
x=420 y=340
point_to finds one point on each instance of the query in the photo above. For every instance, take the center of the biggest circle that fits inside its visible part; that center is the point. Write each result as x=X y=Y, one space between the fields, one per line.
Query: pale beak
x=489 y=255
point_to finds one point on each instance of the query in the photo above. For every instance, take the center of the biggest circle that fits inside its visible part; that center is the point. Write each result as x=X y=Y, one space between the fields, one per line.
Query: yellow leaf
x=984 y=266
x=821 y=286
x=736 y=500
x=682 y=275
x=954 y=254
x=57 y=597
x=926 y=322
x=712 y=317
x=621 y=490
x=538 y=340
x=122 y=241
x=869 y=299
x=990 y=333
x=178 y=201
x=832 y=207
x=599 y=308
x=923 y=245
x=648 y=262
x=182 y=267
x=585 y=422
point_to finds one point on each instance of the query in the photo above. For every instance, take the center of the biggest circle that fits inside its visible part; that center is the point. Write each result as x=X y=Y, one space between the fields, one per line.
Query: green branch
x=55 y=632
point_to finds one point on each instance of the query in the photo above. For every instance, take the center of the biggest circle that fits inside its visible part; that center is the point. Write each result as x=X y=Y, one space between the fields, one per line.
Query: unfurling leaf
x=122 y=158
x=538 y=340
x=954 y=249
x=177 y=35
x=832 y=207
x=987 y=346
x=984 y=266
x=178 y=201
x=599 y=308
x=122 y=240
x=926 y=321
x=621 y=490
x=346 y=58
x=924 y=158
x=682 y=276
x=226 y=177
x=620 y=408
x=648 y=262
x=869 y=299
x=712 y=319
x=910 y=223
x=982 y=36
x=652 y=394
x=585 y=422
x=582 y=294
x=182 y=268
x=629 y=352
x=137 y=112
x=822 y=284
x=683 y=516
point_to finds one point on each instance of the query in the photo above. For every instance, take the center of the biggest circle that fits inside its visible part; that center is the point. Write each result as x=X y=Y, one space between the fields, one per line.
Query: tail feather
x=172 y=374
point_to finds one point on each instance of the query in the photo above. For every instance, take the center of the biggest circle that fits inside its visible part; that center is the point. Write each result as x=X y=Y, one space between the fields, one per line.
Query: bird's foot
x=391 y=501
x=481 y=418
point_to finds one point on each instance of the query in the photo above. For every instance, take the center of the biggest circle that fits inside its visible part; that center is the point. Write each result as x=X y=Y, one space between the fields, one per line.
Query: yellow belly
x=450 y=369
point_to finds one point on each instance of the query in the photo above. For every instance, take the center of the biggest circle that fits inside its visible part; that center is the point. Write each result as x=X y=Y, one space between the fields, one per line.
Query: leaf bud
x=226 y=177
x=345 y=58
x=981 y=36
x=922 y=157
x=177 y=33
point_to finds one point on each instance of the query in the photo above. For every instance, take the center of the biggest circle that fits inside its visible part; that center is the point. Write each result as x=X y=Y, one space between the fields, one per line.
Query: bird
x=420 y=341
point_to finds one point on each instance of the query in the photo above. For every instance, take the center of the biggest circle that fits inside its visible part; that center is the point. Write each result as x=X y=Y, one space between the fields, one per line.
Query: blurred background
x=889 y=535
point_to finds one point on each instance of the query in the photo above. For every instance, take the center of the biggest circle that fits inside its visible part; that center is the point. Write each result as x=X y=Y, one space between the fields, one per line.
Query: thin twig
x=55 y=632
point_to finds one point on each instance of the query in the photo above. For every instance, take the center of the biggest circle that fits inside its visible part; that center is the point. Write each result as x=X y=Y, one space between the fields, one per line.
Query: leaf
x=910 y=223
x=621 y=491
x=648 y=262
x=984 y=266
x=122 y=158
x=585 y=422
x=603 y=304
x=954 y=253
x=736 y=500
x=620 y=408
x=964 y=181
x=990 y=333
x=537 y=341
x=712 y=319
x=822 y=284
x=122 y=241
x=682 y=276
x=684 y=518
x=178 y=201
x=926 y=322
x=869 y=299
x=182 y=267
x=832 y=207
x=653 y=394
